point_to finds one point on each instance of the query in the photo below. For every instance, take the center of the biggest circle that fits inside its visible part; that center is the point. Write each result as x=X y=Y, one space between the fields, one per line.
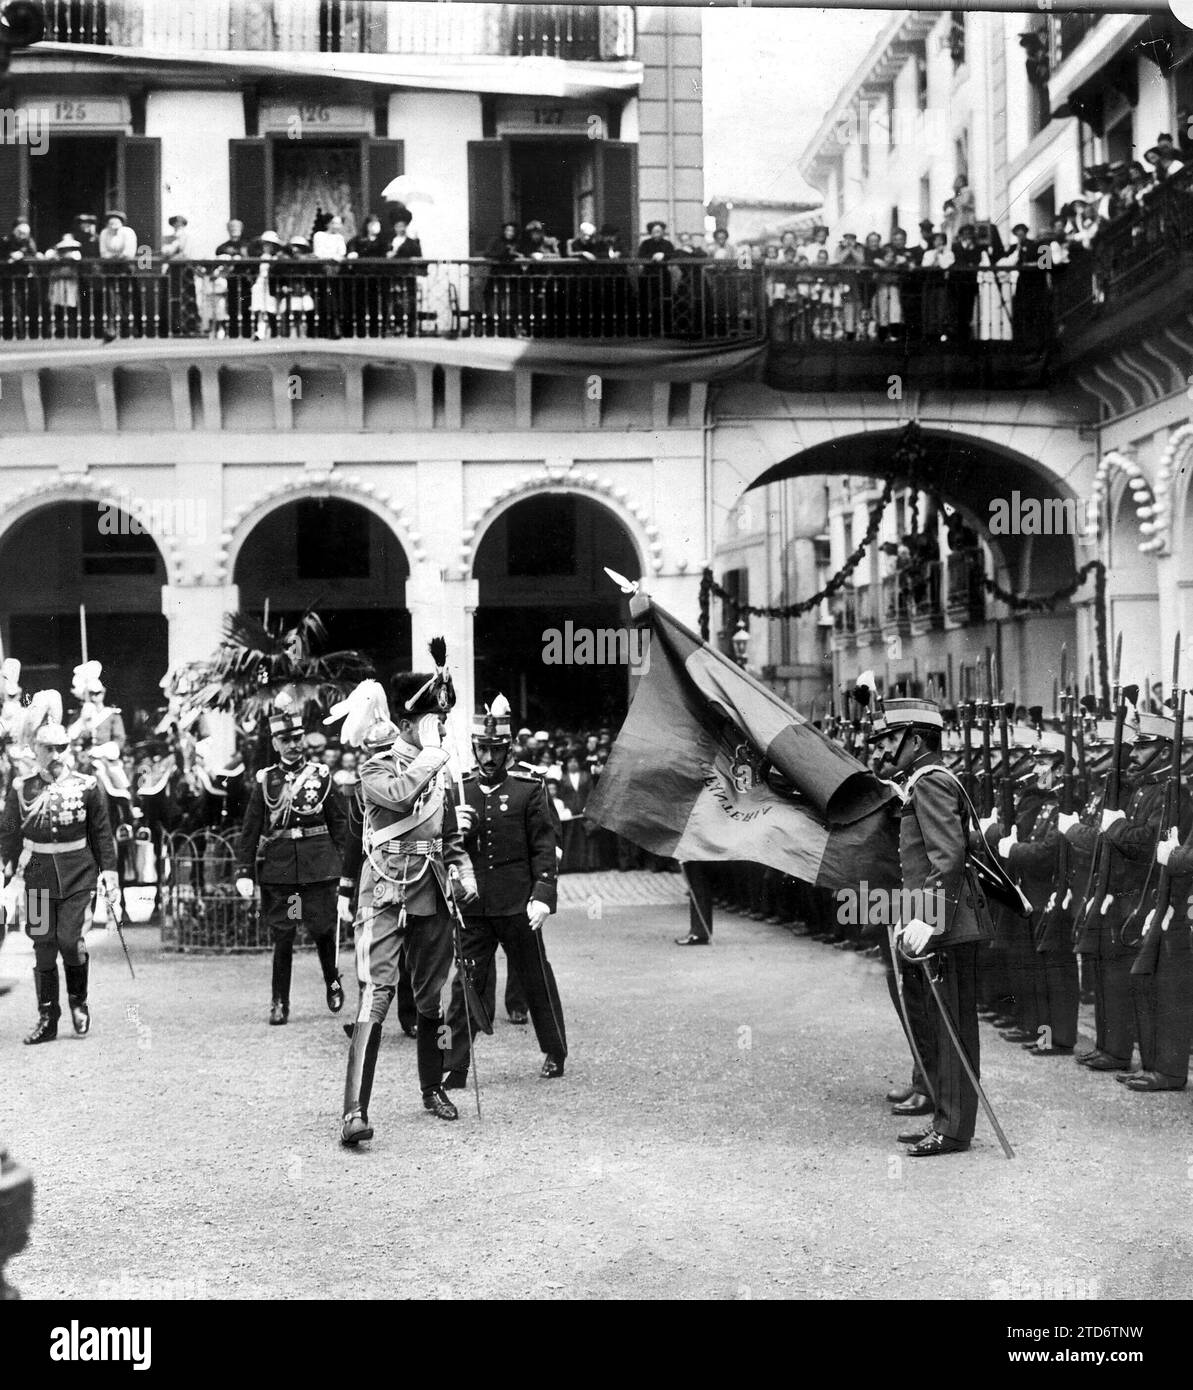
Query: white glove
x=244 y=886
x=465 y=819
x=916 y=935
x=106 y=751
x=1106 y=902
x=428 y=731
x=1068 y=899
x=1004 y=845
x=988 y=822
x=1066 y=820
x=344 y=910
x=1051 y=903
x=537 y=912
x=110 y=883
x=1148 y=920
x=1109 y=817
x=1166 y=846
x=1167 y=922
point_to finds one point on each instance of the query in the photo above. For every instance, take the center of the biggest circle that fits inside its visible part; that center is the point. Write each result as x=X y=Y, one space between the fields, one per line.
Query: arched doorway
x=540 y=567
x=338 y=558
x=86 y=553
x=915 y=610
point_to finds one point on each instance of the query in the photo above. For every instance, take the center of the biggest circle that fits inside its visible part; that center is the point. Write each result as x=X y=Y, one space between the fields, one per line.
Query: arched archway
x=539 y=567
x=90 y=553
x=917 y=622
x=339 y=558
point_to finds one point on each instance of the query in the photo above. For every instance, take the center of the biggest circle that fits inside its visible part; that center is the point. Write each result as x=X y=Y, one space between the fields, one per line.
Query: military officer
x=1129 y=839
x=379 y=740
x=1162 y=975
x=98 y=733
x=55 y=830
x=934 y=844
x=412 y=842
x=510 y=837
x=297 y=819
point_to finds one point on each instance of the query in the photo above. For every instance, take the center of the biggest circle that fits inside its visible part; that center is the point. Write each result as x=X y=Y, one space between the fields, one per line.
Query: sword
x=930 y=964
x=484 y=1024
x=116 y=910
x=905 y=1018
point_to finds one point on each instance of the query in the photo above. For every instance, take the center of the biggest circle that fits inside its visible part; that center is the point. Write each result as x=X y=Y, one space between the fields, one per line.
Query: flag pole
x=83 y=630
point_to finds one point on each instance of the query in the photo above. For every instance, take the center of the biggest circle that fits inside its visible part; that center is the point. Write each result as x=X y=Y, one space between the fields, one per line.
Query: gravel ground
x=720 y=1133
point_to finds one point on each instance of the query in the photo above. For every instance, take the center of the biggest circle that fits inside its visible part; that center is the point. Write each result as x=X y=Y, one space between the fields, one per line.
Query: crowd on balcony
x=531 y=281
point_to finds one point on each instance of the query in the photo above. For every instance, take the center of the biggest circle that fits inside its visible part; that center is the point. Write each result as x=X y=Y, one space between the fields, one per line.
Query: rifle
x=1055 y=926
x=965 y=714
x=987 y=803
x=1006 y=793
x=1099 y=869
x=1135 y=927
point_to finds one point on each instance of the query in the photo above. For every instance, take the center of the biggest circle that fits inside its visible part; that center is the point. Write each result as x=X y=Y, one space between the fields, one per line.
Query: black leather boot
x=283 y=964
x=430 y=1070
x=48 y=1011
x=76 y=996
x=325 y=949
x=358 y=1084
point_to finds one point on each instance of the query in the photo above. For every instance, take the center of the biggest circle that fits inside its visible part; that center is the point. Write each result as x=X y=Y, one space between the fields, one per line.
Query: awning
x=542 y=77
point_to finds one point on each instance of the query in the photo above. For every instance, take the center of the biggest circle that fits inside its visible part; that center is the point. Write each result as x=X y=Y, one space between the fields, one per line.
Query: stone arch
x=613 y=498
x=1116 y=466
x=80 y=488
x=1172 y=504
x=240 y=525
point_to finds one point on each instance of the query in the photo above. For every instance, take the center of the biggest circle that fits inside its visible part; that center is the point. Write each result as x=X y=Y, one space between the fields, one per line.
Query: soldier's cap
x=1049 y=745
x=906 y=712
x=1105 y=731
x=52 y=735
x=1153 y=727
x=492 y=724
x=287 y=721
x=524 y=733
x=415 y=693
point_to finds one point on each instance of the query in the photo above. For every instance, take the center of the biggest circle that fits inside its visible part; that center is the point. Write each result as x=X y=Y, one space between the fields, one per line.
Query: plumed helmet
x=87 y=680
x=360 y=710
x=492 y=724
x=415 y=693
x=380 y=736
x=10 y=674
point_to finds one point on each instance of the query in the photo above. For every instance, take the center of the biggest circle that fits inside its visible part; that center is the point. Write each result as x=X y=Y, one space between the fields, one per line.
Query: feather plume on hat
x=363 y=707
x=44 y=709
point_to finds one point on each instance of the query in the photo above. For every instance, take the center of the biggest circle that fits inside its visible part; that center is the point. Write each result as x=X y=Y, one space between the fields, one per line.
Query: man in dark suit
x=509 y=833
x=296 y=811
x=942 y=909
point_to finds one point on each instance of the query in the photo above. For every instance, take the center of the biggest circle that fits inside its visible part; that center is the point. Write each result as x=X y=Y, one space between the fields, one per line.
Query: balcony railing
x=304 y=298
x=923 y=598
x=1130 y=255
x=896 y=614
x=917 y=309
x=575 y=32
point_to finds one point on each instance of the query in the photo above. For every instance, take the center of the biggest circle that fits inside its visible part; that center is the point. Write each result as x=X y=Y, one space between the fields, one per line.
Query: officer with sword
x=937 y=833
x=407 y=906
x=55 y=833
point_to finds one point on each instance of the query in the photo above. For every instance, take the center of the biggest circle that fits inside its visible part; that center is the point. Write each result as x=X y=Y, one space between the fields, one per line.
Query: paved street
x=720 y=1133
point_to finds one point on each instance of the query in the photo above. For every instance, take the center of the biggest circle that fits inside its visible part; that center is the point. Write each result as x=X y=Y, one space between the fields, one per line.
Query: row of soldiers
x=1087 y=813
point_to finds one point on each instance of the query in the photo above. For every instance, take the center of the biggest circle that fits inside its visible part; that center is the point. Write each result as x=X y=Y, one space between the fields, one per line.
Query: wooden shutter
x=251 y=185
x=384 y=161
x=617 y=190
x=488 y=193
x=13 y=185
x=141 y=187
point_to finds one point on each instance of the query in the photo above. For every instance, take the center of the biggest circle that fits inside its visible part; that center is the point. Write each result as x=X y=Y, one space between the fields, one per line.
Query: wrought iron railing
x=305 y=298
x=575 y=32
x=915 y=308
x=1129 y=255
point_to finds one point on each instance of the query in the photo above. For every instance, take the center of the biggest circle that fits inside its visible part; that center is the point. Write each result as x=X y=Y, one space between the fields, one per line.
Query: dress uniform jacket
x=299 y=819
x=410 y=825
x=71 y=811
x=512 y=844
x=934 y=841
x=1131 y=845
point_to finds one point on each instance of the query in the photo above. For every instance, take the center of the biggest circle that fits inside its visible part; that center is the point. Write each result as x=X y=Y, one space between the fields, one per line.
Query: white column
x=195 y=613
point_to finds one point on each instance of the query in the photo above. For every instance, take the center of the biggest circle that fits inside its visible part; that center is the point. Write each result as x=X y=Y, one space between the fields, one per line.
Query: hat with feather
x=43 y=721
x=492 y=724
x=416 y=693
x=365 y=712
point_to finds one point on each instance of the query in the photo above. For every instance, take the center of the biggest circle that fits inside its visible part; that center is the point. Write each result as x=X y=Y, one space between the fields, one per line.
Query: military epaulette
x=261 y=772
